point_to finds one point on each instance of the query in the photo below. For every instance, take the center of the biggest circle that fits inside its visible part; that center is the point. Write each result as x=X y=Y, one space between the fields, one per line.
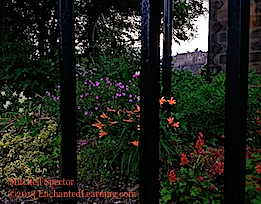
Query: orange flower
x=111 y=110
x=98 y=125
x=129 y=112
x=138 y=116
x=102 y=133
x=170 y=120
x=129 y=120
x=118 y=112
x=138 y=127
x=112 y=123
x=135 y=143
x=138 y=109
x=171 y=101
x=175 y=124
x=161 y=101
x=103 y=115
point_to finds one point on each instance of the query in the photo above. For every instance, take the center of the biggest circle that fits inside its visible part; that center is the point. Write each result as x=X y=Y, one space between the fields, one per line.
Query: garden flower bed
x=108 y=131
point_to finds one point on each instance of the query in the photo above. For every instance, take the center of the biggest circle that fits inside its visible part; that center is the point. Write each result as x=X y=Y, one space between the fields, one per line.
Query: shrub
x=24 y=71
x=24 y=155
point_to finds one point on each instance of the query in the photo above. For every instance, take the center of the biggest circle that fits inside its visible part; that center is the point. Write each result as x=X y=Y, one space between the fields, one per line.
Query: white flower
x=5 y=106
x=21 y=100
x=21 y=110
x=30 y=114
x=15 y=94
x=21 y=94
x=138 y=97
x=8 y=103
x=3 y=93
x=137 y=73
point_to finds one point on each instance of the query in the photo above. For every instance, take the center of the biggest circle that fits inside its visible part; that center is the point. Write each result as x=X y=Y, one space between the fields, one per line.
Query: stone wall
x=218 y=35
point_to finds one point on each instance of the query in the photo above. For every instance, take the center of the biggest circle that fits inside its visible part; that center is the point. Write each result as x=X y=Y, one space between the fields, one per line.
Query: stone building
x=192 y=61
x=218 y=35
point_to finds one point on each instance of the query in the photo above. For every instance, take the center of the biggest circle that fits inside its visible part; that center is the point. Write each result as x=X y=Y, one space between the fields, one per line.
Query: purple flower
x=39 y=104
x=134 y=85
x=58 y=98
x=135 y=96
x=130 y=95
x=129 y=81
x=87 y=94
x=41 y=117
x=123 y=94
x=98 y=87
x=113 y=89
x=101 y=79
x=78 y=107
x=107 y=79
x=122 y=87
x=85 y=112
x=81 y=96
x=99 y=104
x=58 y=86
x=97 y=97
x=130 y=100
x=97 y=83
x=76 y=74
x=108 y=108
x=54 y=98
x=37 y=114
x=96 y=108
x=85 y=82
x=83 y=75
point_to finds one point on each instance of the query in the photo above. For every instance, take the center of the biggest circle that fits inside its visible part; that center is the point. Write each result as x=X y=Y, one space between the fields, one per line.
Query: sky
x=200 y=42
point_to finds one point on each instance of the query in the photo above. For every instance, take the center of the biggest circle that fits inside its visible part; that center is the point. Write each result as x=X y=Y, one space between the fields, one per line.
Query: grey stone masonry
x=218 y=19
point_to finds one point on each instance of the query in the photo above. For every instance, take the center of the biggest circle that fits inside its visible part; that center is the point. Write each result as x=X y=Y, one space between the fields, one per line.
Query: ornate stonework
x=218 y=19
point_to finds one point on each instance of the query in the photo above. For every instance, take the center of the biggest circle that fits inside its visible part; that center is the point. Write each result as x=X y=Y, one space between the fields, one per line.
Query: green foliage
x=93 y=158
x=202 y=104
x=253 y=177
x=23 y=154
x=24 y=71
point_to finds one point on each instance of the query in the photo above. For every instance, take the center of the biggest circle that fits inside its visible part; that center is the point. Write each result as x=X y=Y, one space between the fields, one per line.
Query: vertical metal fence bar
x=236 y=100
x=149 y=141
x=68 y=97
x=167 y=52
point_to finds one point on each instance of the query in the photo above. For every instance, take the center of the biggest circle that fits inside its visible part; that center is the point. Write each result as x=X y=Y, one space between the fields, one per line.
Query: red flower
x=200 y=143
x=219 y=168
x=200 y=178
x=184 y=159
x=258 y=168
x=212 y=188
x=172 y=176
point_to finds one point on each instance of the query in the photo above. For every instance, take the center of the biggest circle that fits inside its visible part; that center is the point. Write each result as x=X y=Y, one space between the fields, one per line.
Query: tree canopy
x=98 y=24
